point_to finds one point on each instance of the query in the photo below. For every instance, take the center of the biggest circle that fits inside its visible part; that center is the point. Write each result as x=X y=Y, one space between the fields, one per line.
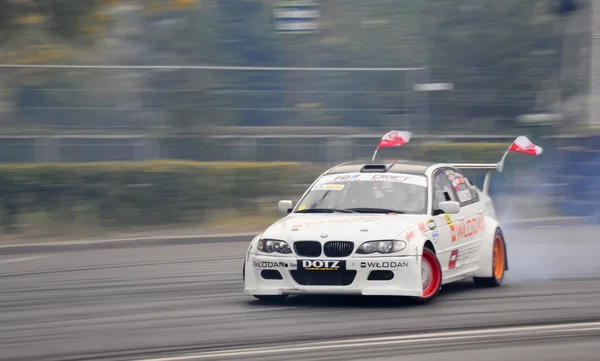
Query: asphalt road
x=184 y=302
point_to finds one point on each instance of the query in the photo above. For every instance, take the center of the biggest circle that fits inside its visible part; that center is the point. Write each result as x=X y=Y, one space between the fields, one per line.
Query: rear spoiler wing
x=521 y=145
x=485 y=166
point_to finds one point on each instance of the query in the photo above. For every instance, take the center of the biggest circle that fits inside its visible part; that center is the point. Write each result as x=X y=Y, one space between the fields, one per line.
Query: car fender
x=486 y=249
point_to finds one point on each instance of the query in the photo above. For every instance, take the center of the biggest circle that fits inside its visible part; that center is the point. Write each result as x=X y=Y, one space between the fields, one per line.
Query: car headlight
x=273 y=246
x=381 y=247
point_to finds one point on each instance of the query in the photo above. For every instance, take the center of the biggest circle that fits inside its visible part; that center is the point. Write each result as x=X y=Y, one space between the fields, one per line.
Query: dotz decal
x=383 y=264
x=269 y=264
x=320 y=265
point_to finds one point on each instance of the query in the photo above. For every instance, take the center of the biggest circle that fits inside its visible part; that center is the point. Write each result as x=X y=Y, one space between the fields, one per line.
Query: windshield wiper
x=375 y=210
x=325 y=210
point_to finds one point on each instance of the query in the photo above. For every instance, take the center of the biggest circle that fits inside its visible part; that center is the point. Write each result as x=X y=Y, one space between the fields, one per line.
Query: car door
x=445 y=235
x=469 y=225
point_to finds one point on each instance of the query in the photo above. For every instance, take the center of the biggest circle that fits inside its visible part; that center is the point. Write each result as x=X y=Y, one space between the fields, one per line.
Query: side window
x=464 y=188
x=442 y=190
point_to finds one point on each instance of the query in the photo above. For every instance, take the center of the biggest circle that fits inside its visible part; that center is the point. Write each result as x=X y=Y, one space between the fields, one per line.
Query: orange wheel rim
x=498 y=260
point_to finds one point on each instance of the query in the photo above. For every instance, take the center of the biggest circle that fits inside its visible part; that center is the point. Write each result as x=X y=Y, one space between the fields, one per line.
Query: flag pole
x=374 y=154
x=501 y=163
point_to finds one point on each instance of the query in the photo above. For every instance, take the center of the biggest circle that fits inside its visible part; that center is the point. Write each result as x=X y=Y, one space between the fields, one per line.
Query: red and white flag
x=523 y=145
x=394 y=139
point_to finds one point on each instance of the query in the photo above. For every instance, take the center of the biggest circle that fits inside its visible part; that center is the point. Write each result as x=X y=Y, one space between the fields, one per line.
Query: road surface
x=185 y=302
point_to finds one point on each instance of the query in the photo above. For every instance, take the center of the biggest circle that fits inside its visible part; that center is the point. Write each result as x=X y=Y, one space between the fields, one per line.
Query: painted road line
x=132 y=239
x=12 y=260
x=394 y=340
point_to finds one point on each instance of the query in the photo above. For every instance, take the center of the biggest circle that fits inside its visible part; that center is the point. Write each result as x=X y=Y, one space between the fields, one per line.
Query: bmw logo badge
x=324 y=235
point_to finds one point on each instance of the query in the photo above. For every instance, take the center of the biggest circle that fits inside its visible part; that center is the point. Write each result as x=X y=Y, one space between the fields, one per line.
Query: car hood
x=348 y=227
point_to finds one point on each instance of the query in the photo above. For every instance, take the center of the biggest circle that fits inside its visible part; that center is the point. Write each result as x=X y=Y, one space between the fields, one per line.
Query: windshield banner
x=372 y=177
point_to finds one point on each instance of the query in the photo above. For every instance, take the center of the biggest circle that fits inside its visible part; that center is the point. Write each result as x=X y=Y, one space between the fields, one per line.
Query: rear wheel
x=431 y=277
x=498 y=264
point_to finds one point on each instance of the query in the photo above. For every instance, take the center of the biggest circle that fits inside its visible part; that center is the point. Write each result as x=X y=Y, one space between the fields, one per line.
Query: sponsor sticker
x=386 y=264
x=422 y=227
x=361 y=219
x=453 y=259
x=329 y=187
x=431 y=224
x=467 y=228
x=448 y=219
x=322 y=265
x=410 y=235
x=373 y=177
x=436 y=236
x=270 y=264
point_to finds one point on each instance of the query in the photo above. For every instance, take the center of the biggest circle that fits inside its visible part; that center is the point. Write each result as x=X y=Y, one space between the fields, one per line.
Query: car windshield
x=367 y=193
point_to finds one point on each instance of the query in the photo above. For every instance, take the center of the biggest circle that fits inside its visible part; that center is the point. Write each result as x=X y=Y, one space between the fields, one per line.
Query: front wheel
x=431 y=277
x=498 y=264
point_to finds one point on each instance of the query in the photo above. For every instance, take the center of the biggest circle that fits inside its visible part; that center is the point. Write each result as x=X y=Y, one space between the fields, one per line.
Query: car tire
x=498 y=263
x=430 y=266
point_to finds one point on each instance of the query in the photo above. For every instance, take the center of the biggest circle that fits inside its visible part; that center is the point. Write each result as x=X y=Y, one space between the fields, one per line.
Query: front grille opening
x=323 y=278
x=338 y=248
x=381 y=276
x=307 y=248
x=271 y=274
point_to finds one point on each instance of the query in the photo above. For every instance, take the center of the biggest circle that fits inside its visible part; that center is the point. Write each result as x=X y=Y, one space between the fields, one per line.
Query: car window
x=442 y=189
x=466 y=192
x=404 y=193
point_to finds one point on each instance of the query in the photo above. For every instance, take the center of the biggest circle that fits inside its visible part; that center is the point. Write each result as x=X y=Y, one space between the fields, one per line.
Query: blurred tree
x=499 y=54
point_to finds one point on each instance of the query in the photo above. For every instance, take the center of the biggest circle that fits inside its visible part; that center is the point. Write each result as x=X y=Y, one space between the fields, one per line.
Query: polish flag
x=523 y=145
x=394 y=139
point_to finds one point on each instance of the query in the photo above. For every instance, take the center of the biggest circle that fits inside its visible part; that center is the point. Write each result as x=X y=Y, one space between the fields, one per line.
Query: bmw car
x=398 y=228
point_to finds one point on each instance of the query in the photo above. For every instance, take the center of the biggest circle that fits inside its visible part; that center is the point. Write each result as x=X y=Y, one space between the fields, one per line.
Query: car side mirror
x=449 y=207
x=285 y=206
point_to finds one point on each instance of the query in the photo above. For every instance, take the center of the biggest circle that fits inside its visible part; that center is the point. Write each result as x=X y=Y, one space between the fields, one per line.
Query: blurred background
x=181 y=115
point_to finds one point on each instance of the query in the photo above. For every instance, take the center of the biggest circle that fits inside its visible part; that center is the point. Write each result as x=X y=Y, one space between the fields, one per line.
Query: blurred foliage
x=134 y=194
x=503 y=57
x=154 y=193
x=69 y=19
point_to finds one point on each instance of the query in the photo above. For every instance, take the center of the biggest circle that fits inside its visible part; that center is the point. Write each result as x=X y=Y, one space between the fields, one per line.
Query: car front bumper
x=368 y=276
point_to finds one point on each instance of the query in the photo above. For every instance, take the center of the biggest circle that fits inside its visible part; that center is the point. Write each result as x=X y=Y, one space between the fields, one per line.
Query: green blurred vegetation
x=502 y=56
x=63 y=198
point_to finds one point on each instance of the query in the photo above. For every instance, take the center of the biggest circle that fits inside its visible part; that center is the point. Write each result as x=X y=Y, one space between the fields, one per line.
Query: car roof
x=393 y=166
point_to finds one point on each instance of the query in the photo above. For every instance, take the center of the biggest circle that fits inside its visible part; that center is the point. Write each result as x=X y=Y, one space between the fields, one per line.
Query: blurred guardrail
x=566 y=177
x=232 y=147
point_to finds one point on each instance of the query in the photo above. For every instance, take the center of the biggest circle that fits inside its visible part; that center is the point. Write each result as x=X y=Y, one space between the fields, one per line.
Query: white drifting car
x=400 y=228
